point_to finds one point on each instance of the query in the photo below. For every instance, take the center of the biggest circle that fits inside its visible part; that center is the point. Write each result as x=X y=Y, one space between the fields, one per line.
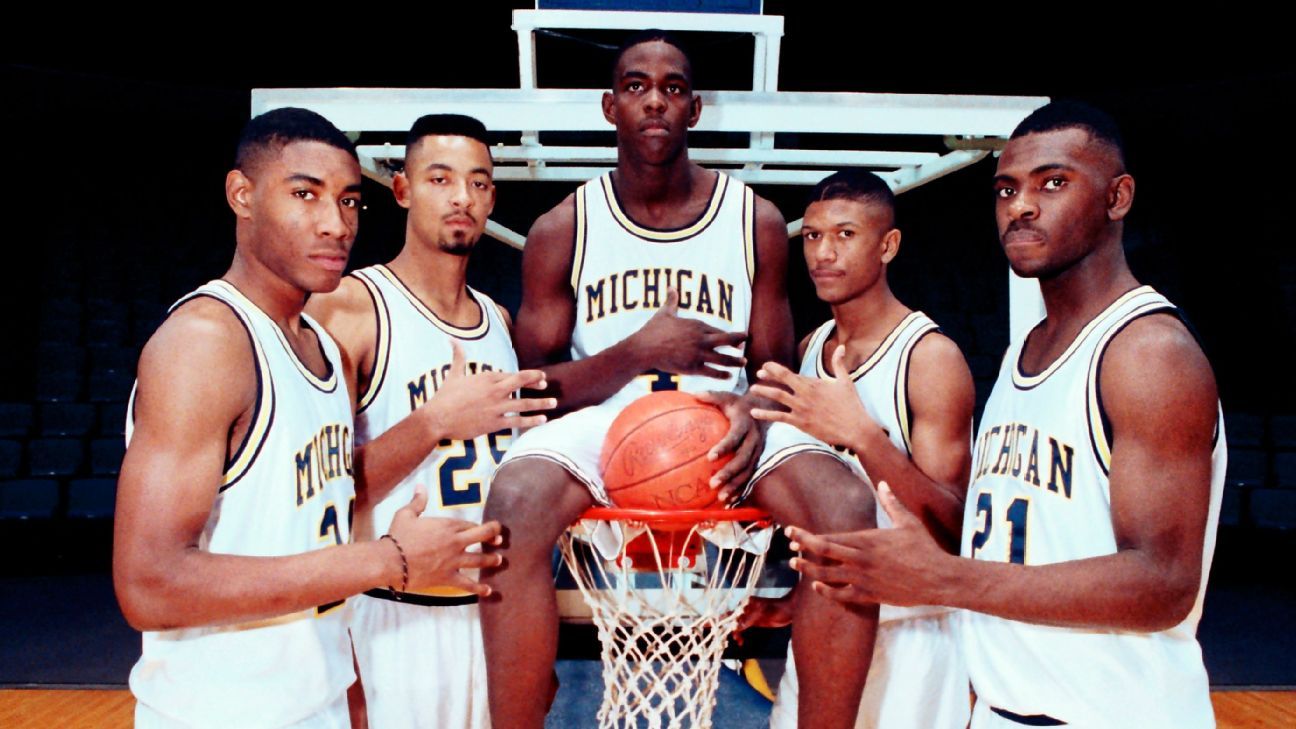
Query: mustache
x=1019 y=225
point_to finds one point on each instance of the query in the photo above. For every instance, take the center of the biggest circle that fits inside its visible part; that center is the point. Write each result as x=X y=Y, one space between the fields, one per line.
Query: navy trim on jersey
x=414 y=598
x=382 y=319
x=1028 y=720
x=1032 y=381
x=463 y=333
x=906 y=422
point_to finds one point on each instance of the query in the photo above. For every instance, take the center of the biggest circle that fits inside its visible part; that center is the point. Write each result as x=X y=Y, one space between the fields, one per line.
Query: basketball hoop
x=666 y=589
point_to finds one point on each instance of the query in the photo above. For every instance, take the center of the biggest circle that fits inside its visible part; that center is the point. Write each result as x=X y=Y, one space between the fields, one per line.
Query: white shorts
x=333 y=716
x=574 y=442
x=917 y=679
x=421 y=666
x=782 y=442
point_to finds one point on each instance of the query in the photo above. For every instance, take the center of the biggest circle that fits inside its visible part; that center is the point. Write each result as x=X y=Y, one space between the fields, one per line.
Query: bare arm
x=545 y=320
x=196 y=379
x=933 y=485
x=465 y=406
x=1161 y=399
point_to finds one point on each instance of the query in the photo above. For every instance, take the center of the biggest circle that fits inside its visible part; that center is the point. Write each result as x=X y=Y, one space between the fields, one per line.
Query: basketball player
x=650 y=277
x=1096 y=477
x=234 y=504
x=407 y=330
x=881 y=380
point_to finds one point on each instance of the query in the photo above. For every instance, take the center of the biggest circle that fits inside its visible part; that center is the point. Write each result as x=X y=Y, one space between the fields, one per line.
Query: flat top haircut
x=855 y=184
x=449 y=125
x=1069 y=114
x=648 y=36
x=276 y=129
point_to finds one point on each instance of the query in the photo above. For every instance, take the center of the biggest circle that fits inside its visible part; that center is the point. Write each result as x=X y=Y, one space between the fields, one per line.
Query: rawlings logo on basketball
x=655 y=453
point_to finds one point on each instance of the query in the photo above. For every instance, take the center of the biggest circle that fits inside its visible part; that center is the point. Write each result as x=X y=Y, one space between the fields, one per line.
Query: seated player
x=410 y=331
x=231 y=550
x=882 y=382
x=649 y=278
x=1097 y=473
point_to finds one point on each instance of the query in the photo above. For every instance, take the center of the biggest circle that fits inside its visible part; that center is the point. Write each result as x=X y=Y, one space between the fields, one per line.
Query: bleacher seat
x=91 y=498
x=1283 y=428
x=109 y=386
x=107 y=332
x=106 y=456
x=112 y=419
x=1285 y=469
x=61 y=356
x=66 y=419
x=15 y=419
x=58 y=385
x=55 y=456
x=28 y=499
x=10 y=458
x=112 y=358
x=1274 y=508
x=59 y=329
x=1244 y=429
x=1247 y=468
x=1233 y=505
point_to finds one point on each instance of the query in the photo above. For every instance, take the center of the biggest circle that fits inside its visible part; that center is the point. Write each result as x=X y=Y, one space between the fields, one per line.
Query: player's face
x=1053 y=197
x=302 y=207
x=652 y=103
x=448 y=189
x=847 y=244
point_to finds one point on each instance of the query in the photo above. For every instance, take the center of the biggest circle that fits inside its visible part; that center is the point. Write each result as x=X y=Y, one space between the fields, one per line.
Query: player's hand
x=828 y=409
x=897 y=566
x=467 y=406
x=766 y=612
x=436 y=550
x=744 y=440
x=683 y=346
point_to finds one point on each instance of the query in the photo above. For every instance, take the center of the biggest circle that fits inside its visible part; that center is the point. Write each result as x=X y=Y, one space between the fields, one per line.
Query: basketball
x=655 y=453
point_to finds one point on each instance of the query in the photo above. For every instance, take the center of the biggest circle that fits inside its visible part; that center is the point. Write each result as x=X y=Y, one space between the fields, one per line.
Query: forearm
x=937 y=505
x=195 y=588
x=592 y=380
x=384 y=461
x=1122 y=591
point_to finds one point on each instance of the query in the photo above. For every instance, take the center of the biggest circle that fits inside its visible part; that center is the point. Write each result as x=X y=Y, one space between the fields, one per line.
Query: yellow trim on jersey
x=1028 y=381
x=382 y=345
x=260 y=427
x=474 y=332
x=665 y=236
x=578 y=246
x=874 y=358
x=902 y=381
x=442 y=591
x=326 y=385
x=749 y=233
x=1097 y=431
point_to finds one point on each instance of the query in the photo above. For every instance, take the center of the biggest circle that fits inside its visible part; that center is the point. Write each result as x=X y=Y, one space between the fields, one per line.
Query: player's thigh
x=801 y=481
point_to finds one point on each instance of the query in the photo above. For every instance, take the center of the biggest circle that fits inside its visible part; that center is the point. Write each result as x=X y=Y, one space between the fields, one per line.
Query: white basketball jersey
x=411 y=363
x=621 y=272
x=882 y=382
x=287 y=489
x=1040 y=495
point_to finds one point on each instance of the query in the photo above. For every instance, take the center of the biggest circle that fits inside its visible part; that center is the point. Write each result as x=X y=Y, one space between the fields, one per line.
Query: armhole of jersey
x=130 y=412
x=903 y=412
x=382 y=343
x=749 y=232
x=578 y=239
x=1100 y=440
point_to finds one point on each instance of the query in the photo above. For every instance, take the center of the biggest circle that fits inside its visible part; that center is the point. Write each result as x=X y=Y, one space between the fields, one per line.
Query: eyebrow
x=443 y=166
x=303 y=177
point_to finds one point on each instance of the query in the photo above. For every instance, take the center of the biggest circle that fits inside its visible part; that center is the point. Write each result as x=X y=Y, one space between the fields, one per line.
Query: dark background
x=118 y=141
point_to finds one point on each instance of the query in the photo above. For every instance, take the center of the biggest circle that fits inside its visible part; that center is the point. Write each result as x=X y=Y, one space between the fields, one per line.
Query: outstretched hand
x=900 y=565
x=744 y=441
x=436 y=550
x=685 y=346
x=828 y=409
x=467 y=406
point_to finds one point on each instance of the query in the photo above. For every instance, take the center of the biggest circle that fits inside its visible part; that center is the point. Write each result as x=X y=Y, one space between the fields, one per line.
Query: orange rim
x=683 y=516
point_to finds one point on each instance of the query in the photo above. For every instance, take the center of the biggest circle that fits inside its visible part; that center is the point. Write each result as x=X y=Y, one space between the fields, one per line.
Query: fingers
x=772 y=416
x=722 y=338
x=531 y=404
x=419 y=501
x=848 y=594
x=738 y=468
x=528 y=379
x=738 y=428
x=719 y=398
x=672 y=303
x=804 y=541
x=479 y=560
x=463 y=582
x=479 y=534
x=712 y=357
x=775 y=394
x=837 y=365
x=775 y=372
x=523 y=422
x=458 y=365
x=900 y=516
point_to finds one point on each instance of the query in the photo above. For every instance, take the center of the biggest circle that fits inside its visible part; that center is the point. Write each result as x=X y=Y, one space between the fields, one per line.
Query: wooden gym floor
x=109 y=709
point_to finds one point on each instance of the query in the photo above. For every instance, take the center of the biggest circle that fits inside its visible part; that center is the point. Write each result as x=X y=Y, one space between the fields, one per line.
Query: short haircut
x=855 y=184
x=449 y=125
x=1070 y=114
x=649 y=36
x=278 y=128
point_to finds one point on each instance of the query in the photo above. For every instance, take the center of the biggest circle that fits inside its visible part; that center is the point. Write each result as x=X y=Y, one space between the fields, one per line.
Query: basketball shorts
x=783 y=442
x=333 y=716
x=421 y=666
x=917 y=679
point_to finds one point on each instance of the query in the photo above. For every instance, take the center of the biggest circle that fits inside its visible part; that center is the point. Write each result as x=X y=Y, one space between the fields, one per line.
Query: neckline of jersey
x=327 y=383
x=665 y=235
x=476 y=331
x=873 y=358
x=1024 y=381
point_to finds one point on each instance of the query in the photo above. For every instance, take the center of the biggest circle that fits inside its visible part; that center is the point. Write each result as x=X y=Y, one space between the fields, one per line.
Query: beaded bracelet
x=404 y=566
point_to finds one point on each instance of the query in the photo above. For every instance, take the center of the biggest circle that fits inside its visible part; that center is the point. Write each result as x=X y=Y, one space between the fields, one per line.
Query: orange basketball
x=655 y=453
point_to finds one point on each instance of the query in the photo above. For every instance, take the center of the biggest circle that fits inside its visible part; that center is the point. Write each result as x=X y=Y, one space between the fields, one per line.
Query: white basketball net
x=663 y=626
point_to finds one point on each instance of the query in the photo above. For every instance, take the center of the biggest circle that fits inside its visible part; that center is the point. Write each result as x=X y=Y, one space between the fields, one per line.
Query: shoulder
x=202 y=347
x=768 y=217
x=937 y=350
x=1152 y=358
x=351 y=297
x=939 y=376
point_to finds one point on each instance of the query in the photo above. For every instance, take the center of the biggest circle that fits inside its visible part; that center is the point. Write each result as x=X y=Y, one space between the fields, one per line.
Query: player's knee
x=534 y=501
x=848 y=506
